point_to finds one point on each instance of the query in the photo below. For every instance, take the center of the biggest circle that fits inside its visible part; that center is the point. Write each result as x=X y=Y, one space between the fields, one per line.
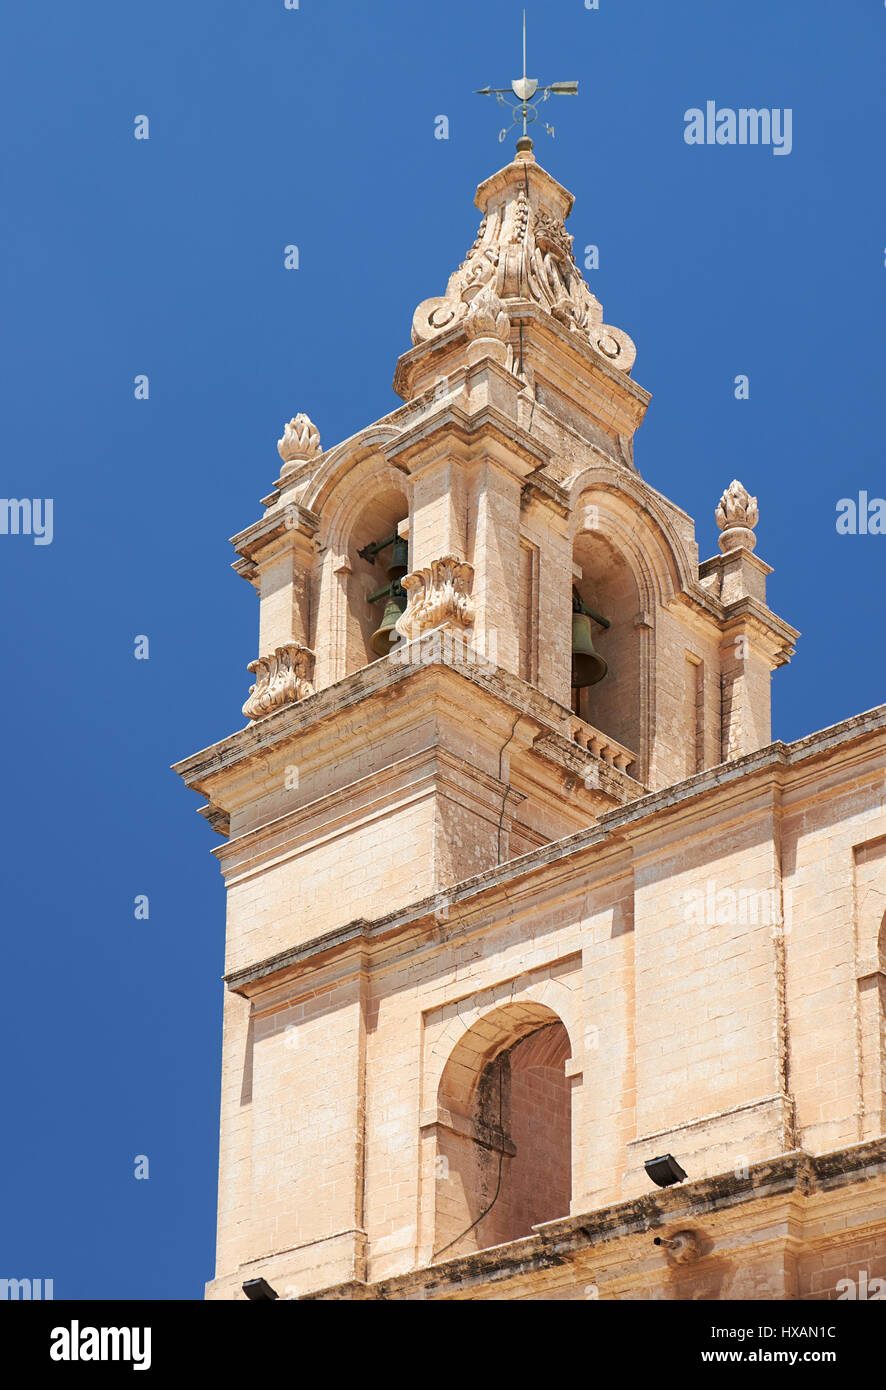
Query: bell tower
x=482 y=636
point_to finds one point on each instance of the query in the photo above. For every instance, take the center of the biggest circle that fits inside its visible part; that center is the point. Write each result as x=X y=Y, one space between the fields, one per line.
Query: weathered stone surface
x=493 y=943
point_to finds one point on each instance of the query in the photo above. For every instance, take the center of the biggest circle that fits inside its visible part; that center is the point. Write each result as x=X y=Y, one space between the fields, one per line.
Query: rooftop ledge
x=785 y=1177
x=609 y=830
x=562 y=735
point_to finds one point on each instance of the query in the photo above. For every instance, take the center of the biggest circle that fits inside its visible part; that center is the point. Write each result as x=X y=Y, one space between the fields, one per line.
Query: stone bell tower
x=474 y=977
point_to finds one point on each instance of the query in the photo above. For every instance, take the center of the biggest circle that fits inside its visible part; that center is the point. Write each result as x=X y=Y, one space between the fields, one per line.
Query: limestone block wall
x=547 y=601
x=834 y=908
x=687 y=698
x=382 y=796
x=707 y=1035
x=703 y=1017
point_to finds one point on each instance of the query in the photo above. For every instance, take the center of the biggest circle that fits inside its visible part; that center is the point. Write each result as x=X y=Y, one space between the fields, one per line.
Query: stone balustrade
x=601 y=745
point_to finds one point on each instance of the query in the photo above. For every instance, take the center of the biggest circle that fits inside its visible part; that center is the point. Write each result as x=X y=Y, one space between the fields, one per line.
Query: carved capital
x=439 y=594
x=737 y=515
x=280 y=679
x=301 y=441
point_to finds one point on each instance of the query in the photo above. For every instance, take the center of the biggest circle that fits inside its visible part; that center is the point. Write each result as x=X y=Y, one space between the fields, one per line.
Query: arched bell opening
x=378 y=558
x=503 y=1162
x=606 y=675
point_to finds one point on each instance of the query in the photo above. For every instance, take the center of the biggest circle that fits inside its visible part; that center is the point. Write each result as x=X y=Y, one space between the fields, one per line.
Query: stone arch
x=540 y=998
x=633 y=559
x=649 y=532
x=341 y=460
x=368 y=497
x=503 y=1130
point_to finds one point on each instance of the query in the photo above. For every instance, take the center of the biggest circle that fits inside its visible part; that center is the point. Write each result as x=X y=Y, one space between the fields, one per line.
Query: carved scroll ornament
x=280 y=679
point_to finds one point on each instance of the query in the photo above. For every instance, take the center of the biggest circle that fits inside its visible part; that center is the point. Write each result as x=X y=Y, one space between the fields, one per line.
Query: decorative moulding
x=438 y=594
x=280 y=679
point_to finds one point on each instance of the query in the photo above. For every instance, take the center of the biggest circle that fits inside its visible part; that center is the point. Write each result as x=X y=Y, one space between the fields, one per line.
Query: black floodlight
x=259 y=1290
x=664 y=1171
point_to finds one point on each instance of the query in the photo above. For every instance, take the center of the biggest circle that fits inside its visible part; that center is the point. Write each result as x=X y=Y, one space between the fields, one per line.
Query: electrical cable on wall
x=501 y=1156
x=507 y=788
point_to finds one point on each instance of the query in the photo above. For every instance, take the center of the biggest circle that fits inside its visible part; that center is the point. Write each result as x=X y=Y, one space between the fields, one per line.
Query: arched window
x=606 y=586
x=504 y=1141
x=370 y=568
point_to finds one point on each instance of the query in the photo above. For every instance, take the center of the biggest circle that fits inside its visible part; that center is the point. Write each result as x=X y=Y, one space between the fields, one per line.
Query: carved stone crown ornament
x=301 y=441
x=487 y=317
x=487 y=326
x=523 y=252
x=280 y=679
x=737 y=514
x=439 y=594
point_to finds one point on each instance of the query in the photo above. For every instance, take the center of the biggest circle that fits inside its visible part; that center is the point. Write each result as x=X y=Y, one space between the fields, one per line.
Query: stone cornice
x=476 y=431
x=777 y=635
x=376 y=678
x=523 y=310
x=431 y=764
x=787 y=1180
x=718 y=562
x=537 y=177
x=290 y=521
x=564 y=855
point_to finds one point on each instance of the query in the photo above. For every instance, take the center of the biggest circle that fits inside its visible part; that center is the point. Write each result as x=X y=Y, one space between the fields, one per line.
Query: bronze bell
x=399 y=563
x=381 y=639
x=588 y=666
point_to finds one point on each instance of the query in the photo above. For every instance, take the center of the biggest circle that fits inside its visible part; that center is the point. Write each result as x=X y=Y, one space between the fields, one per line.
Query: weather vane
x=524 y=88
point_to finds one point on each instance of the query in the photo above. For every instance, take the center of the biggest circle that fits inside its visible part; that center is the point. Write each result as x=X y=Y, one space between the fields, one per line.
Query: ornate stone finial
x=301 y=441
x=487 y=326
x=737 y=514
x=280 y=679
x=522 y=252
x=441 y=593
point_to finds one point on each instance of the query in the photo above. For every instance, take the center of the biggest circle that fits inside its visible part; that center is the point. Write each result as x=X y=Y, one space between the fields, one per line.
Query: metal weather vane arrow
x=525 y=88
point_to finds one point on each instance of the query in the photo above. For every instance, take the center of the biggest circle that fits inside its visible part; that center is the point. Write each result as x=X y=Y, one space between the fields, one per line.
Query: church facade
x=521 y=894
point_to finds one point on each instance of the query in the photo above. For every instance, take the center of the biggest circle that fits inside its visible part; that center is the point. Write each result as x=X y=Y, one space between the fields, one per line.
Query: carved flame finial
x=301 y=441
x=487 y=316
x=737 y=514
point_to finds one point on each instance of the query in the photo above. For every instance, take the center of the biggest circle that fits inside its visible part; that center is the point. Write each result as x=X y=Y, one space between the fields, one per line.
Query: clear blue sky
x=315 y=126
